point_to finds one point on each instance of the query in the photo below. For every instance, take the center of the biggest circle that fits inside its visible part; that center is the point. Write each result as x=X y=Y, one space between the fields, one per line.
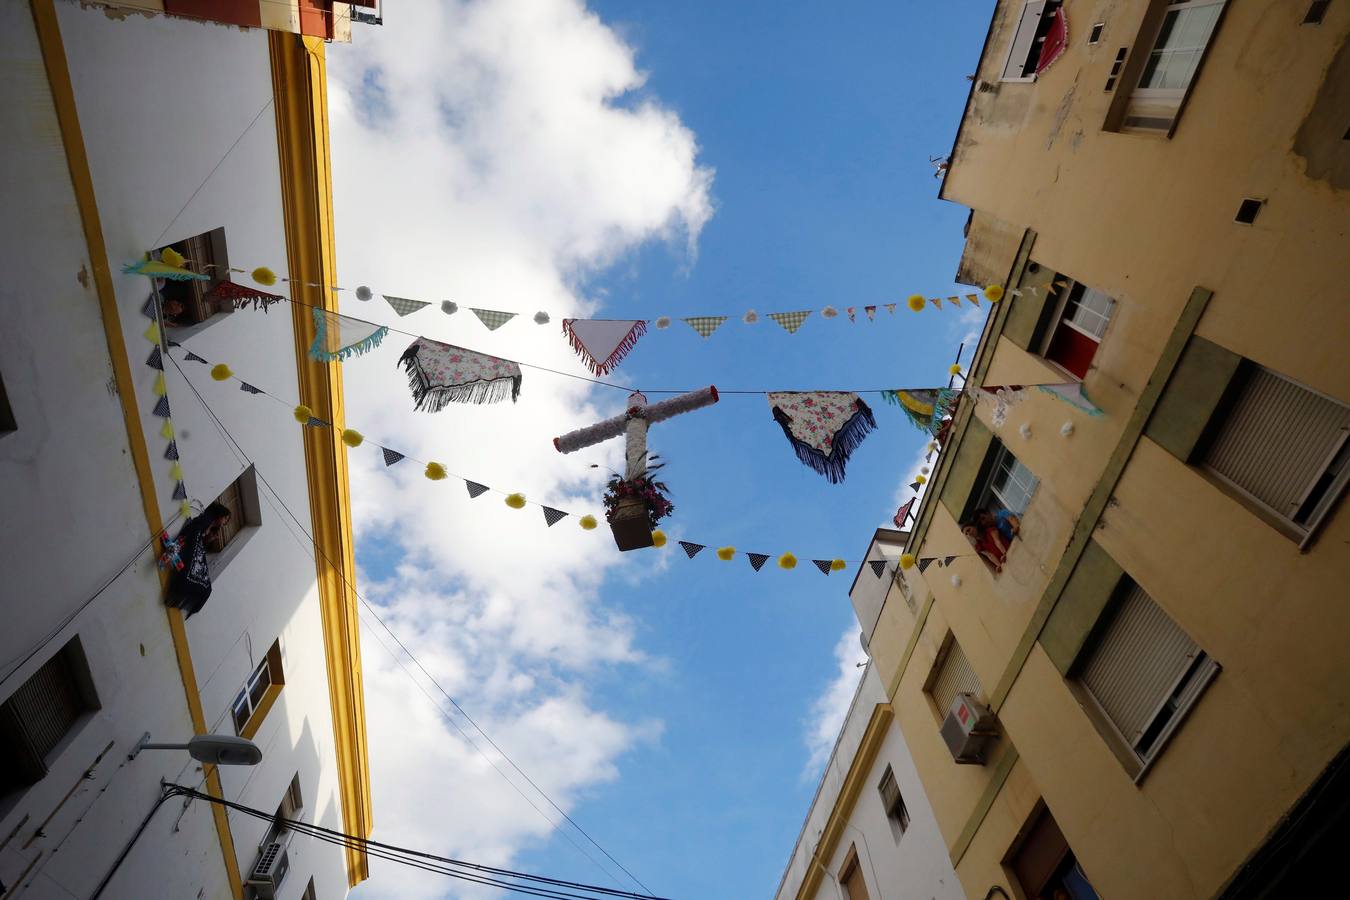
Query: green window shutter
x=1028 y=315
x=1191 y=396
x=965 y=469
x=1086 y=595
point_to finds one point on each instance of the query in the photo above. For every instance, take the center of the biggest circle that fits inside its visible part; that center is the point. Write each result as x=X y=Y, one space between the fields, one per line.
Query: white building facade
x=125 y=135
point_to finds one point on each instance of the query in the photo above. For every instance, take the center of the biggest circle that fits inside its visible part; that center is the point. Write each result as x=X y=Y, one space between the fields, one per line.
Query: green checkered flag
x=791 y=321
x=493 y=318
x=705 y=325
x=403 y=306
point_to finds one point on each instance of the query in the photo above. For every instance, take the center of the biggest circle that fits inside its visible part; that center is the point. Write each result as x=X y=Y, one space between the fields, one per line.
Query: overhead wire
x=229 y=437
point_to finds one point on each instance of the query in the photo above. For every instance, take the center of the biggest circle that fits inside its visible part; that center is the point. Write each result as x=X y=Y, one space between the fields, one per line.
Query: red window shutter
x=229 y=12
x=316 y=18
x=1072 y=349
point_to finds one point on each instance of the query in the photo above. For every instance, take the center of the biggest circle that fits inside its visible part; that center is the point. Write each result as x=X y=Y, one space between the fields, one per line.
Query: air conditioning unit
x=968 y=729
x=269 y=871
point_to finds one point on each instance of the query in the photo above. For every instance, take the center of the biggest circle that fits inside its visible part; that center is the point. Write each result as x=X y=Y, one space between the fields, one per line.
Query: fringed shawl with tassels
x=439 y=374
x=824 y=427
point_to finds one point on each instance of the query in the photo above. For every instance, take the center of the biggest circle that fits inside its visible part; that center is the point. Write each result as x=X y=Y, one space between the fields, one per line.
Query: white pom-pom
x=1066 y=429
x=956 y=581
x=449 y=307
x=999 y=418
x=541 y=318
x=364 y=293
x=924 y=470
x=663 y=321
x=1024 y=430
x=829 y=312
x=751 y=317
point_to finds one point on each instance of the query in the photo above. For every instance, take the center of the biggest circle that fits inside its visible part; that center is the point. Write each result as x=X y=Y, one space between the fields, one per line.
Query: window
x=1144 y=672
x=1044 y=865
x=951 y=675
x=1178 y=45
x=1033 y=26
x=7 y=423
x=258 y=694
x=1010 y=484
x=292 y=804
x=1247 y=211
x=1316 y=12
x=39 y=715
x=1283 y=446
x=1095 y=35
x=241 y=499
x=309 y=893
x=1080 y=325
x=187 y=303
x=893 y=803
x=851 y=877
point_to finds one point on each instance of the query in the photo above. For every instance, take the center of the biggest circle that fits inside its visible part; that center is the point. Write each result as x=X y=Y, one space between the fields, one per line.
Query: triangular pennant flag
x=493 y=318
x=192 y=357
x=955 y=301
x=179 y=491
x=603 y=343
x=148 y=309
x=315 y=422
x=878 y=566
x=937 y=302
x=890 y=308
x=405 y=307
x=162 y=408
x=337 y=337
x=925 y=563
x=948 y=561
x=914 y=485
x=475 y=489
x=166 y=430
x=973 y=298
x=553 y=516
x=705 y=325
x=156 y=269
x=791 y=321
x=245 y=386
x=757 y=560
x=241 y=295
x=691 y=549
x=852 y=313
x=823 y=565
x=871 y=313
x=391 y=456
x=155 y=360
x=1073 y=394
x=171 y=451
x=902 y=514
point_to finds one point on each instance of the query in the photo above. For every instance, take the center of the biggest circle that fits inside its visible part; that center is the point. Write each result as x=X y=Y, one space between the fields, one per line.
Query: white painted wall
x=160 y=101
x=914 y=867
x=868 y=592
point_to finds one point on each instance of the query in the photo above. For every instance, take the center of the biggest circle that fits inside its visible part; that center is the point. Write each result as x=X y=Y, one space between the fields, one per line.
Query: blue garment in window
x=1004 y=526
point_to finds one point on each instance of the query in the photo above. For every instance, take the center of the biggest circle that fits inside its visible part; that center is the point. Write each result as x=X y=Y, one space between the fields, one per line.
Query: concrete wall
x=160 y=101
x=1147 y=219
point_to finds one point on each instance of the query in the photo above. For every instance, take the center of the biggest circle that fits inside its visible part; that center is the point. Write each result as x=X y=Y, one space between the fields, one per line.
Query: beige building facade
x=1161 y=649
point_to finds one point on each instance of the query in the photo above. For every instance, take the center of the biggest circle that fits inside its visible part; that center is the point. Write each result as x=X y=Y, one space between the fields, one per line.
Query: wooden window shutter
x=954 y=676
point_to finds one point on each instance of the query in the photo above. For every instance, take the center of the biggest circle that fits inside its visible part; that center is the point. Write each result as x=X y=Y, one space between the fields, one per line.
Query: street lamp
x=216 y=749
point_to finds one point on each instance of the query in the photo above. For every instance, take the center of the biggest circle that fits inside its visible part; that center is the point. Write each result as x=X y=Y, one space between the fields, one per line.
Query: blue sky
x=818 y=127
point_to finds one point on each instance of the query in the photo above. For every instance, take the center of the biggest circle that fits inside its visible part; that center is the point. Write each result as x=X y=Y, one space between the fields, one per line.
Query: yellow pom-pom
x=588 y=522
x=221 y=372
x=152 y=333
x=171 y=257
x=176 y=471
x=166 y=430
x=907 y=560
x=264 y=275
x=932 y=445
x=838 y=565
x=302 y=414
x=352 y=438
x=787 y=561
x=435 y=471
x=185 y=509
x=160 y=387
x=725 y=553
x=955 y=369
x=993 y=293
x=916 y=302
x=515 y=501
x=658 y=538
x=920 y=479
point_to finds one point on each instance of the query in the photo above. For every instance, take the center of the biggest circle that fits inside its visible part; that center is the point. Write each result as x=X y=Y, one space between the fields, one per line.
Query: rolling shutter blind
x=1137 y=663
x=1022 y=40
x=955 y=676
x=1277 y=440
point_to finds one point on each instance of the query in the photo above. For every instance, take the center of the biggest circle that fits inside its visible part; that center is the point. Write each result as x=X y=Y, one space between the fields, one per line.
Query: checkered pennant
x=553 y=516
x=914 y=486
x=316 y=422
x=405 y=307
x=155 y=360
x=391 y=456
x=179 y=491
x=171 y=451
x=948 y=561
x=162 y=408
x=791 y=321
x=925 y=563
x=245 y=386
x=757 y=560
x=475 y=489
x=148 y=308
x=823 y=565
x=192 y=357
x=691 y=549
x=705 y=325
x=878 y=566
x=493 y=318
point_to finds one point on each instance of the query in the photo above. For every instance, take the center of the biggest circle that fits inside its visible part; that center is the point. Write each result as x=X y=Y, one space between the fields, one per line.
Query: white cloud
x=829 y=710
x=495 y=154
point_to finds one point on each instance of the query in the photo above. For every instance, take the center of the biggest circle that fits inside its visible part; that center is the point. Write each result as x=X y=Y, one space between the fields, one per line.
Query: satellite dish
x=862 y=639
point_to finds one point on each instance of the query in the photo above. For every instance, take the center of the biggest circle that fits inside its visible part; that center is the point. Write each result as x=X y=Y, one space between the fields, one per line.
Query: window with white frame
x=1144 y=672
x=1078 y=328
x=893 y=803
x=1178 y=45
x=258 y=693
x=1010 y=484
x=1024 y=51
x=1284 y=446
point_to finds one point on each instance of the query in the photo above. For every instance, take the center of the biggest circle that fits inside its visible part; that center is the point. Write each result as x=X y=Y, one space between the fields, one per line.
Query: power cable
x=229 y=436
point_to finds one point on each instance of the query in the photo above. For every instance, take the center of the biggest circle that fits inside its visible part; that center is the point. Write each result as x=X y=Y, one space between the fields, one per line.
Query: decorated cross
x=633 y=426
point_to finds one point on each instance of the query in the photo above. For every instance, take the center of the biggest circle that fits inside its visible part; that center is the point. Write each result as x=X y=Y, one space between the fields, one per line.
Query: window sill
x=1287 y=529
x=264 y=707
x=216 y=562
x=182 y=333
